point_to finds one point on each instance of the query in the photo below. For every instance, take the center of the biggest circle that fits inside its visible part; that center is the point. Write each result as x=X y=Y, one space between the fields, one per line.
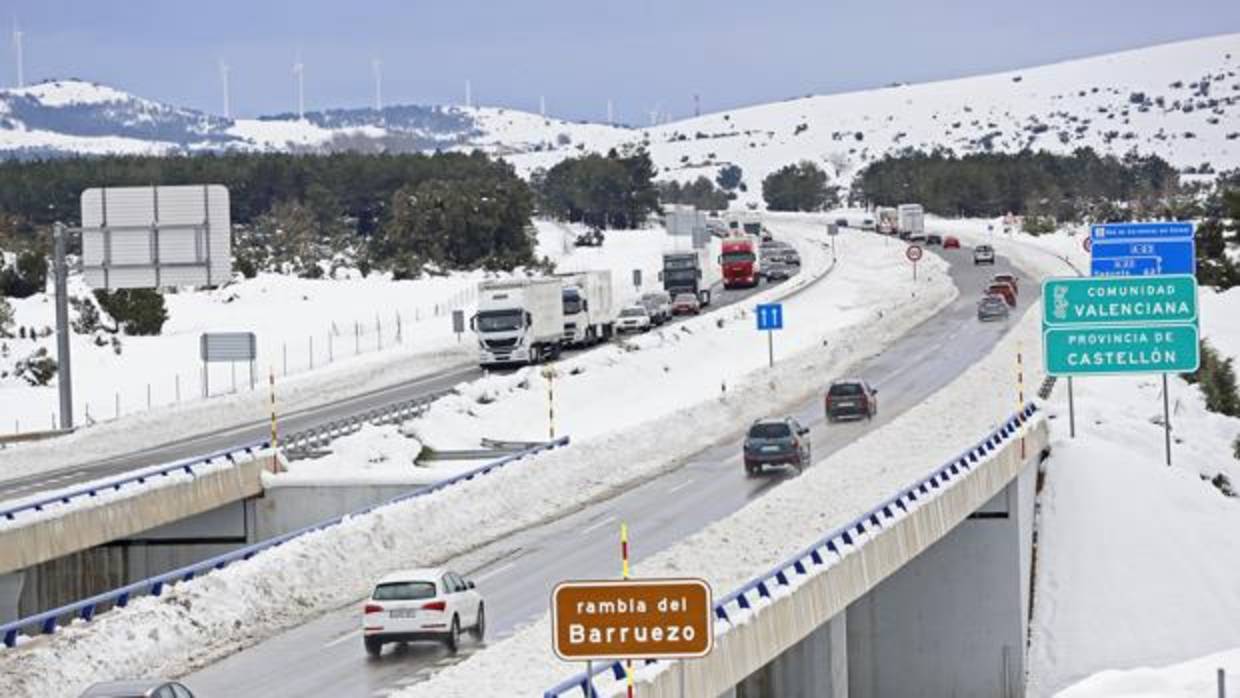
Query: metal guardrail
x=816 y=555
x=303 y=443
x=139 y=477
x=87 y=609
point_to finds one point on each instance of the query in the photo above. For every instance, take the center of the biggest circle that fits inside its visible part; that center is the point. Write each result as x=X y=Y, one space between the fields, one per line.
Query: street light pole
x=64 y=379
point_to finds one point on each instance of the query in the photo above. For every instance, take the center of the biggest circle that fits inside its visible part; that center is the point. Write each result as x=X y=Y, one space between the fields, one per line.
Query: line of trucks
x=528 y=321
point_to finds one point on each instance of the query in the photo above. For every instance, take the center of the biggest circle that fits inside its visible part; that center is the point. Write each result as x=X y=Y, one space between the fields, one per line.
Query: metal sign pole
x=1071 y=411
x=1166 y=419
x=770 y=348
x=914 y=270
x=64 y=379
x=589 y=678
x=683 y=692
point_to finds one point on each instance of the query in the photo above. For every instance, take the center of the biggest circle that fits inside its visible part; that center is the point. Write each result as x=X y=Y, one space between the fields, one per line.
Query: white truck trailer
x=519 y=321
x=912 y=222
x=590 y=308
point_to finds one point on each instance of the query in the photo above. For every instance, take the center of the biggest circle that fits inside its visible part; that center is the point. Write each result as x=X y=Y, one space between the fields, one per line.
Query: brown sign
x=637 y=618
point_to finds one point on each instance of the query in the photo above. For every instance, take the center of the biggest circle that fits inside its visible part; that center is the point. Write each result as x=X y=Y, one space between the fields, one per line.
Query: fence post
x=311 y=352
x=357 y=338
x=178 y=388
x=148 y=396
x=1222 y=683
x=331 y=351
x=284 y=351
x=399 y=328
x=118 y=404
x=378 y=332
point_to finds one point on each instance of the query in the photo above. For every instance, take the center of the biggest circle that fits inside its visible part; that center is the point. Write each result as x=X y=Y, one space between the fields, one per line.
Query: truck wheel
x=535 y=355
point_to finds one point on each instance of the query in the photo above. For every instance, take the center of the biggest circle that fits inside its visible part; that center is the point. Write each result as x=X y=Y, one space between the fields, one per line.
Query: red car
x=951 y=243
x=1002 y=288
x=1006 y=279
x=686 y=304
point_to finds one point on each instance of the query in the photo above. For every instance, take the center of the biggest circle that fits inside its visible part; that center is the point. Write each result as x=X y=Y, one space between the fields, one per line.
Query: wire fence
x=338 y=341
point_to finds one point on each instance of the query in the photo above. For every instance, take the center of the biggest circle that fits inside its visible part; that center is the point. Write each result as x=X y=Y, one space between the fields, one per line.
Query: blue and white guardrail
x=86 y=609
x=140 y=477
x=834 y=543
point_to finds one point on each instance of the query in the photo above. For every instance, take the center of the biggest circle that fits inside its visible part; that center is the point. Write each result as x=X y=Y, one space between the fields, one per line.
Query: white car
x=634 y=318
x=422 y=604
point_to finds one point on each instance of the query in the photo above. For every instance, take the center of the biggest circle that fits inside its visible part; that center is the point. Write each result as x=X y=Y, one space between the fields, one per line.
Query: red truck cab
x=739 y=262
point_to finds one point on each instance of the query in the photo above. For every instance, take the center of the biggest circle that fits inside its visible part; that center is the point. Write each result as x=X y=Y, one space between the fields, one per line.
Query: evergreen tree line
x=612 y=190
x=1083 y=185
x=799 y=187
x=446 y=209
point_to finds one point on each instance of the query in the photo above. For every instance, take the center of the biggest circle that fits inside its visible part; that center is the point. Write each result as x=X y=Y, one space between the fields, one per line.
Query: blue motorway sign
x=1142 y=249
x=770 y=316
x=1143 y=257
x=1144 y=231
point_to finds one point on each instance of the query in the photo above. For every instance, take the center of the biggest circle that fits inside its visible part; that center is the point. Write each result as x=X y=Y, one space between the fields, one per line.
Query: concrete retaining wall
x=783 y=622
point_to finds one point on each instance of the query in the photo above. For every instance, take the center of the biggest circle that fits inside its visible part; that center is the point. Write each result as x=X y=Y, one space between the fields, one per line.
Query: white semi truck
x=912 y=222
x=589 y=307
x=519 y=321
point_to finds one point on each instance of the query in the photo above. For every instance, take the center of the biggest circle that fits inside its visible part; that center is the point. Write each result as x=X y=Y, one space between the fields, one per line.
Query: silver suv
x=659 y=305
x=983 y=254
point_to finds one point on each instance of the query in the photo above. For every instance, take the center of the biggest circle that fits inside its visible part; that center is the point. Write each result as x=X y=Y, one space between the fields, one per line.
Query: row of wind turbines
x=299 y=73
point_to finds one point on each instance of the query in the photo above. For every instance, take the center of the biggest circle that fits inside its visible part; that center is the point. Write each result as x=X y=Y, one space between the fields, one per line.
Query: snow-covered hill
x=1180 y=101
x=63 y=117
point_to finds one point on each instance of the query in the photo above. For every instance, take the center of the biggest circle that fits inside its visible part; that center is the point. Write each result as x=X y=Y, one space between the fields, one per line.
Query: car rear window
x=404 y=591
x=633 y=312
x=773 y=430
x=845 y=389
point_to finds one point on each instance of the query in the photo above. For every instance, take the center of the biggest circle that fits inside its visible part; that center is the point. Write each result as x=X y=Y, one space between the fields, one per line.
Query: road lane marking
x=597 y=525
x=344 y=638
x=487 y=575
x=681 y=486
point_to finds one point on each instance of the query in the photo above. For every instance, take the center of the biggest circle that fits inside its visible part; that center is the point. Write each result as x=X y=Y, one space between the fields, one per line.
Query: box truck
x=519 y=321
x=590 y=307
x=912 y=222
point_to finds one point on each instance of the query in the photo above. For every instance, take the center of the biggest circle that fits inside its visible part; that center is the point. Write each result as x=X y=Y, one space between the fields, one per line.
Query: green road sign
x=1133 y=300
x=1077 y=351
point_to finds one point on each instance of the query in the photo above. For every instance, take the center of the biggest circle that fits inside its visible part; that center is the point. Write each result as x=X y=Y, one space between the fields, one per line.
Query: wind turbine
x=469 y=96
x=610 y=119
x=542 y=106
x=376 y=66
x=224 y=85
x=17 y=48
x=299 y=69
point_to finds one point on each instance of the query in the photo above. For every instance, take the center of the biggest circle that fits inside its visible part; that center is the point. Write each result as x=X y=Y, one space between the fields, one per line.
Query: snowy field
x=197 y=622
x=1192 y=679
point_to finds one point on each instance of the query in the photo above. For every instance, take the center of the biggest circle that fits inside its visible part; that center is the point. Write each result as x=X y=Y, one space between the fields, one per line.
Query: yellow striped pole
x=624 y=572
x=275 y=438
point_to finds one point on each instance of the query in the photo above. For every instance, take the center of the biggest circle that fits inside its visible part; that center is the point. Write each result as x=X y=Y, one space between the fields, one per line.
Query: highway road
x=325 y=657
x=251 y=432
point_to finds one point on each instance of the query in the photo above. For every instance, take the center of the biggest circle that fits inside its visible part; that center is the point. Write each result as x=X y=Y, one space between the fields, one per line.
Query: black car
x=851 y=398
x=934 y=239
x=780 y=441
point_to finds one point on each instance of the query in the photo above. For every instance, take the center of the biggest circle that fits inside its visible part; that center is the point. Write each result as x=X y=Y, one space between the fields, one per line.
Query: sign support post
x=1071 y=411
x=1166 y=419
x=913 y=253
x=64 y=373
x=770 y=349
x=770 y=317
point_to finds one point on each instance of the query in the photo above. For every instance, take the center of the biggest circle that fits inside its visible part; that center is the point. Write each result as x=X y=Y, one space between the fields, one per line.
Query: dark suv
x=851 y=398
x=780 y=441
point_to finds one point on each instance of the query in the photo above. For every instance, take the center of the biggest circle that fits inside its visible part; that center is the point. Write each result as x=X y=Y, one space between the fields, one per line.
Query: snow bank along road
x=325 y=657
x=217 y=439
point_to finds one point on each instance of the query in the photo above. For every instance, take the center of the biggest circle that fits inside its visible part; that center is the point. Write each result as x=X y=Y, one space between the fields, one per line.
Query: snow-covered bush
x=36 y=369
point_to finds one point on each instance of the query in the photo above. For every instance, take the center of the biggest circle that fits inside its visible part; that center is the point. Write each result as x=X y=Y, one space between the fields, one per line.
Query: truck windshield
x=734 y=257
x=680 y=274
x=572 y=302
x=499 y=320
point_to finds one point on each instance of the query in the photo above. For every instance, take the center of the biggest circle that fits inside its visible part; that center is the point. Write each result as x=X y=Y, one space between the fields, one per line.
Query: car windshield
x=769 y=430
x=499 y=320
x=404 y=591
x=983 y=248
x=633 y=312
x=845 y=389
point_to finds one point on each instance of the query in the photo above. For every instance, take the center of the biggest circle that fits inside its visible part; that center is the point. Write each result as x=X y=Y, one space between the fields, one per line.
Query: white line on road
x=597 y=525
x=491 y=573
x=344 y=638
x=681 y=486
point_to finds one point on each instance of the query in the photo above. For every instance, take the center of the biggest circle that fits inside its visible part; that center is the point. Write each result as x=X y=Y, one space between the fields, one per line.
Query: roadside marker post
x=770 y=318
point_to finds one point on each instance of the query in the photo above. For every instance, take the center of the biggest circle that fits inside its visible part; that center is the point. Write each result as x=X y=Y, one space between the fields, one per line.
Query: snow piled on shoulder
x=1192 y=679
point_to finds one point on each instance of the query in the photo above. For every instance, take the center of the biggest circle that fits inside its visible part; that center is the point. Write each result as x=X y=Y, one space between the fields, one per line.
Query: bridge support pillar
x=815 y=667
x=954 y=620
x=10 y=595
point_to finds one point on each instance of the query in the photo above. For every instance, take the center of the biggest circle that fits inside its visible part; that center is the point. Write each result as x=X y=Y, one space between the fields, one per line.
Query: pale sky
x=642 y=54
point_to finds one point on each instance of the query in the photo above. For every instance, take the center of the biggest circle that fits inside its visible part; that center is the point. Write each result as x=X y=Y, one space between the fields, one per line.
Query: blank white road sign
x=156 y=236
